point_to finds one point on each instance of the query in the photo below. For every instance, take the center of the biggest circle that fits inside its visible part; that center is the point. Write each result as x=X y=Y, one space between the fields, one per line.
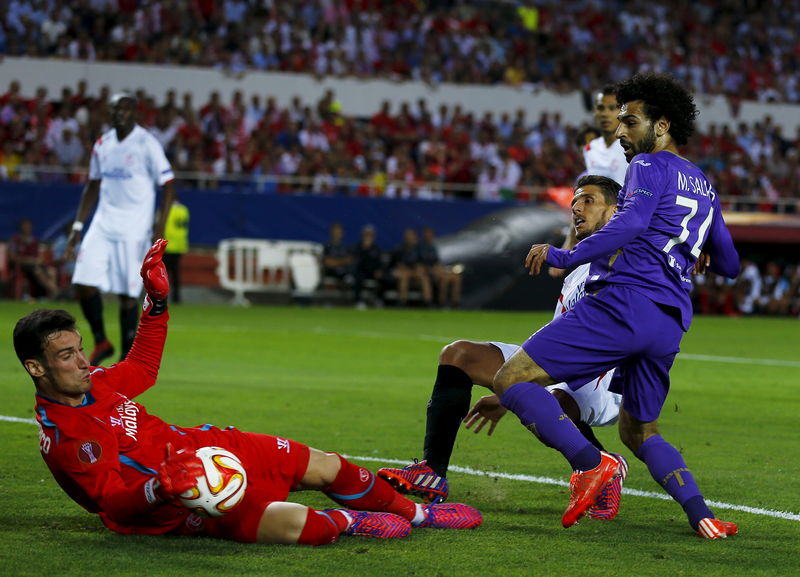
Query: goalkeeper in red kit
x=115 y=459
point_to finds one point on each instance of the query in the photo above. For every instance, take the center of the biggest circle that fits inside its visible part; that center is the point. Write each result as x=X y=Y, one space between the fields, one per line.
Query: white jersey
x=605 y=160
x=572 y=290
x=599 y=407
x=129 y=172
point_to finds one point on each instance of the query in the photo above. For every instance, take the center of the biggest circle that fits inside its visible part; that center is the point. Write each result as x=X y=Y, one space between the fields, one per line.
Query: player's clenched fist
x=178 y=473
x=154 y=273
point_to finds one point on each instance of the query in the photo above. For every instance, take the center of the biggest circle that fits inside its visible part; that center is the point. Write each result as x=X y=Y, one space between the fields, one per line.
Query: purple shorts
x=614 y=327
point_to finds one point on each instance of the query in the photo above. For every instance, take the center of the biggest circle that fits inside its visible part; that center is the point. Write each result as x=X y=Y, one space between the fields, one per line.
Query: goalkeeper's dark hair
x=662 y=96
x=609 y=187
x=33 y=330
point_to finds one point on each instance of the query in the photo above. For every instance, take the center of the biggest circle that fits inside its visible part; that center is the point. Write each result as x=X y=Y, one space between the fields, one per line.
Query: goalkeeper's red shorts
x=275 y=466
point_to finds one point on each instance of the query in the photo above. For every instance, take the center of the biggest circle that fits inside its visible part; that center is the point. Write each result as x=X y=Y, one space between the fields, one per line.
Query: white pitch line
x=549 y=481
x=17 y=420
x=446 y=339
x=739 y=360
x=535 y=479
x=443 y=339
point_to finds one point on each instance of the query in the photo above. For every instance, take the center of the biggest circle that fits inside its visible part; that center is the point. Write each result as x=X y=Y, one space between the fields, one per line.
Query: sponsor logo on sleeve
x=638 y=192
x=89 y=452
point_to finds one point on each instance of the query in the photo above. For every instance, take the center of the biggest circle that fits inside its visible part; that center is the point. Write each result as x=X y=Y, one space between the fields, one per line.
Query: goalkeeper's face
x=62 y=373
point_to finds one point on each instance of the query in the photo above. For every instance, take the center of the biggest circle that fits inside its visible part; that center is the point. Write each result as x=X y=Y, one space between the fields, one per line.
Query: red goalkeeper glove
x=178 y=473
x=154 y=273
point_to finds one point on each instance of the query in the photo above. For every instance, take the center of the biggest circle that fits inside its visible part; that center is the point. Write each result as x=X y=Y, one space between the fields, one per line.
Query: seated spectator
x=337 y=258
x=508 y=174
x=69 y=149
x=25 y=255
x=793 y=294
x=774 y=286
x=748 y=287
x=787 y=295
x=407 y=267
x=714 y=295
x=369 y=268
x=488 y=188
x=446 y=279
x=65 y=263
x=10 y=159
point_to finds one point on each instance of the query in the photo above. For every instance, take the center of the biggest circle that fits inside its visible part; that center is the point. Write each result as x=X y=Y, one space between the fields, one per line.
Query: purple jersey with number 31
x=667 y=213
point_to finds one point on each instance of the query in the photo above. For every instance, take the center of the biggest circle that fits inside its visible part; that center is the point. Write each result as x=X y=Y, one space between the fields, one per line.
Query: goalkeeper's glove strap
x=154 y=307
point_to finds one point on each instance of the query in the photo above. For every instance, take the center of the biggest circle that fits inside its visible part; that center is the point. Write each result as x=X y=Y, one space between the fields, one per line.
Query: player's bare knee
x=331 y=465
x=282 y=523
x=456 y=354
x=322 y=469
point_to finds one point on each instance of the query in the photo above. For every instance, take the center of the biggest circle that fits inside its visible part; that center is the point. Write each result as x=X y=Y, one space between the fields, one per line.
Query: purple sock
x=540 y=413
x=669 y=470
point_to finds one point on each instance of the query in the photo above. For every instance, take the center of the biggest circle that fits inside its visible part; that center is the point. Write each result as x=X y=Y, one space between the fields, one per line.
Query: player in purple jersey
x=636 y=307
x=464 y=363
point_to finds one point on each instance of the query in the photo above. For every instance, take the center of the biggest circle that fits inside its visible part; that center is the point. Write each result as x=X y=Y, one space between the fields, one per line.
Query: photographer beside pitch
x=115 y=459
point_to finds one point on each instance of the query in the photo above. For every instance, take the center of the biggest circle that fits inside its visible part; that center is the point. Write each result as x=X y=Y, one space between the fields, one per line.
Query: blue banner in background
x=229 y=213
x=50 y=207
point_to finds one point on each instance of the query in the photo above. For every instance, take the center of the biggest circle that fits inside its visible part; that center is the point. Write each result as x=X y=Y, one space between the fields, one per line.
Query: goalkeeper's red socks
x=323 y=527
x=358 y=488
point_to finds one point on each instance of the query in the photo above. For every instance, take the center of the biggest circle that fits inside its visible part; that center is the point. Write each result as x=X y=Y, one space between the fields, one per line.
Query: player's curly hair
x=662 y=96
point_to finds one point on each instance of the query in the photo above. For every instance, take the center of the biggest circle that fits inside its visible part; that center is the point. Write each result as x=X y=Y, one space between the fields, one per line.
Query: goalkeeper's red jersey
x=103 y=452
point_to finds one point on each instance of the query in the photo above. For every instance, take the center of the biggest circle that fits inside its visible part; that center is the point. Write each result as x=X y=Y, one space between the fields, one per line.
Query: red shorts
x=275 y=466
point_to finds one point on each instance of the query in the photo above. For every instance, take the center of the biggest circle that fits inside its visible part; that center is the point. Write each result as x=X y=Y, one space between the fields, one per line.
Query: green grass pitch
x=357 y=382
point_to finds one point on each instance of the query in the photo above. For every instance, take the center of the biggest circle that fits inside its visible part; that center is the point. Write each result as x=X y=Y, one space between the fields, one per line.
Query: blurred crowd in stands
x=769 y=287
x=407 y=151
x=728 y=49
x=731 y=48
